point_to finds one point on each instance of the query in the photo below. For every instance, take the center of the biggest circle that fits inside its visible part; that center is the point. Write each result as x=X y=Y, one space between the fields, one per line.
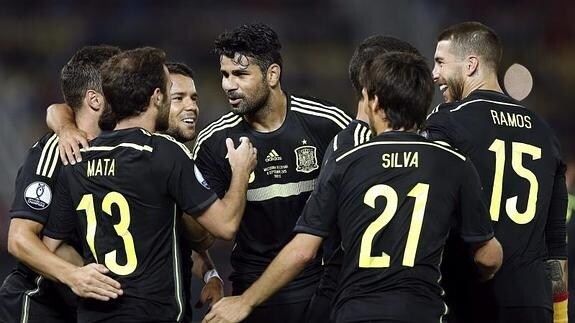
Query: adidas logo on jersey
x=273 y=156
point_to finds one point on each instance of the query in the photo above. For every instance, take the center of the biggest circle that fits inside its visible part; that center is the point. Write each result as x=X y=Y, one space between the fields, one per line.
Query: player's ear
x=157 y=97
x=471 y=65
x=95 y=100
x=273 y=75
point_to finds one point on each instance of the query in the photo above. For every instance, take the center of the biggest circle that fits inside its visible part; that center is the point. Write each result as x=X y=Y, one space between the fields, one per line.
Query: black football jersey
x=394 y=200
x=289 y=161
x=518 y=160
x=124 y=198
x=33 y=196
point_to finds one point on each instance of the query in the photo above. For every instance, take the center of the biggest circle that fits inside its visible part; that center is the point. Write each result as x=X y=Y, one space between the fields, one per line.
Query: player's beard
x=163 y=116
x=455 y=87
x=254 y=103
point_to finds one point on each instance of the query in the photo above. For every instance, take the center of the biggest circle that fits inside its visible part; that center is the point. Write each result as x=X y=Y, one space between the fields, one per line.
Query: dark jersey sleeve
x=555 y=229
x=474 y=218
x=35 y=181
x=212 y=171
x=63 y=222
x=438 y=127
x=320 y=212
x=186 y=183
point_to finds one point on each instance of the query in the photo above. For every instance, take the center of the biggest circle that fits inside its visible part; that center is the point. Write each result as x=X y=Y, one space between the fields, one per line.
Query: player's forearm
x=59 y=116
x=557 y=271
x=235 y=201
x=284 y=268
x=488 y=258
x=198 y=238
x=29 y=249
x=202 y=263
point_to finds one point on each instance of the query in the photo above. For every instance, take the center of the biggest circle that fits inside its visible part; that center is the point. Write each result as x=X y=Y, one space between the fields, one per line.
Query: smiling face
x=448 y=72
x=244 y=84
x=184 y=109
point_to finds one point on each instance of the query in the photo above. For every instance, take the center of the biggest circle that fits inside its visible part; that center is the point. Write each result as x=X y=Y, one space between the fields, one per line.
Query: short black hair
x=369 y=49
x=180 y=68
x=473 y=37
x=82 y=73
x=258 y=41
x=129 y=79
x=403 y=85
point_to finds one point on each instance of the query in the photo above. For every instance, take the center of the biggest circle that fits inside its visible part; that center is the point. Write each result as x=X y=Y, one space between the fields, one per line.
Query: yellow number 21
x=87 y=204
x=419 y=192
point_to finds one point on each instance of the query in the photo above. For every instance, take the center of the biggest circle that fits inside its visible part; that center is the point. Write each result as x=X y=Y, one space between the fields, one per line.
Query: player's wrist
x=212 y=273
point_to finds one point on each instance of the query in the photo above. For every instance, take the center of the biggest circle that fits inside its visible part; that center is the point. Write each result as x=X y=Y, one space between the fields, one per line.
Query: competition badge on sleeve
x=38 y=195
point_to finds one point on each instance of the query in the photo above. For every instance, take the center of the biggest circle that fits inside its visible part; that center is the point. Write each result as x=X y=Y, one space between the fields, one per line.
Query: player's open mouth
x=189 y=121
x=443 y=88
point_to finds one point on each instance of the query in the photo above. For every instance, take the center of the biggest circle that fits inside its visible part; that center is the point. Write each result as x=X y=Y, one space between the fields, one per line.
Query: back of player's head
x=180 y=68
x=257 y=41
x=129 y=79
x=369 y=49
x=474 y=38
x=403 y=85
x=82 y=73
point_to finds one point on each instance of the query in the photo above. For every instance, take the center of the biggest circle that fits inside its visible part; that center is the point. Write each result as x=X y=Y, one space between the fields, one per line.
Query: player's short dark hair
x=129 y=80
x=257 y=41
x=474 y=38
x=404 y=87
x=82 y=73
x=369 y=49
x=180 y=68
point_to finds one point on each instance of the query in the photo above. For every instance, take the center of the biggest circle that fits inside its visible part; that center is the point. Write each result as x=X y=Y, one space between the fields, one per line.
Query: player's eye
x=177 y=98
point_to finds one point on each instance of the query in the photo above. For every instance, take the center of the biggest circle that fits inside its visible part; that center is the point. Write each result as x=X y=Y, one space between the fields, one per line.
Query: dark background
x=318 y=38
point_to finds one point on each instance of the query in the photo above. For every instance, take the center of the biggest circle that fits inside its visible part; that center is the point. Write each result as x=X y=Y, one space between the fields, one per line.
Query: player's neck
x=146 y=120
x=488 y=83
x=361 y=115
x=272 y=115
x=87 y=121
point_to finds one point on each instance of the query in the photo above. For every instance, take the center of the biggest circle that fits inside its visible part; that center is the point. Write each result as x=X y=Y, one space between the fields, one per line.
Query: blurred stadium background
x=318 y=38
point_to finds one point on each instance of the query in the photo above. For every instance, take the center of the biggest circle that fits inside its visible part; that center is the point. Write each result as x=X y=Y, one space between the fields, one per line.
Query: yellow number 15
x=518 y=149
x=87 y=204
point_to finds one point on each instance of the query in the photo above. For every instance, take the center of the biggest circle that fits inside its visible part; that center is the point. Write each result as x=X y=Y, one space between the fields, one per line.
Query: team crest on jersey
x=306 y=159
x=38 y=195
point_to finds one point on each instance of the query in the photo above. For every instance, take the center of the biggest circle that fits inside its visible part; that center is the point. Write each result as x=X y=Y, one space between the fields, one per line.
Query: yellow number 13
x=87 y=204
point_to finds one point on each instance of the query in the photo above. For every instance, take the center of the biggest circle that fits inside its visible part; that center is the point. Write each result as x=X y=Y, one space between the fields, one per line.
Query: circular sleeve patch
x=38 y=195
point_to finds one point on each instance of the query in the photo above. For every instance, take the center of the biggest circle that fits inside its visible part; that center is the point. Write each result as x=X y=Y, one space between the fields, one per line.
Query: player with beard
x=184 y=113
x=291 y=133
x=518 y=159
x=394 y=200
x=124 y=196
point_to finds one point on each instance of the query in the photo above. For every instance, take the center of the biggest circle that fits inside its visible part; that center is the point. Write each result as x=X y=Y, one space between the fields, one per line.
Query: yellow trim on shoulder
x=172 y=139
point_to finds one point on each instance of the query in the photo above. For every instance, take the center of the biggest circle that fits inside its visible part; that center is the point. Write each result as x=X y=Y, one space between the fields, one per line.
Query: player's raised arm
x=60 y=118
x=223 y=217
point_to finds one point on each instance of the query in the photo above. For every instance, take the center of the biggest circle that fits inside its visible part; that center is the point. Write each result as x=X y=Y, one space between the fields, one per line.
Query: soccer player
x=291 y=133
x=394 y=200
x=26 y=296
x=356 y=133
x=517 y=157
x=124 y=196
x=184 y=113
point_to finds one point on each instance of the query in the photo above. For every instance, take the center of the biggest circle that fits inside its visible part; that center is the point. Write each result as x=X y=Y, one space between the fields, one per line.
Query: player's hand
x=228 y=310
x=212 y=292
x=243 y=158
x=70 y=140
x=90 y=281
